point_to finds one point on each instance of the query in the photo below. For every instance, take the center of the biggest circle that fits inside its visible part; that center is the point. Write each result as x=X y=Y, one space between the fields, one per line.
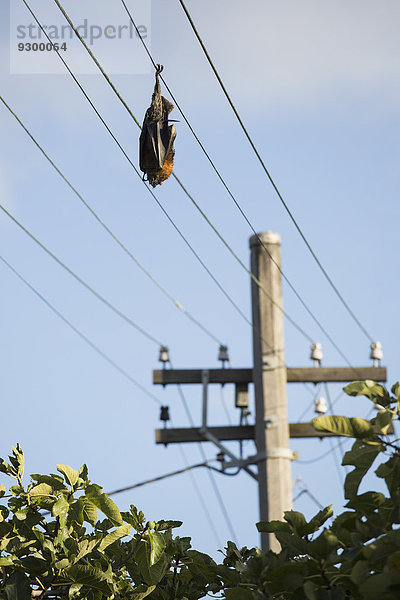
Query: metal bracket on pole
x=270 y=421
x=269 y=362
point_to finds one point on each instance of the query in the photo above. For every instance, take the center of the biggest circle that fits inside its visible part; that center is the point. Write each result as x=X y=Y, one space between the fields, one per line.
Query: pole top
x=267 y=237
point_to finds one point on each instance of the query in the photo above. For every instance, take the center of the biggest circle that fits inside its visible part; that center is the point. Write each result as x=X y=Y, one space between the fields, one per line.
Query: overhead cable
x=110 y=232
x=82 y=282
x=305 y=490
x=221 y=288
x=321 y=456
x=314 y=255
x=80 y=334
x=299 y=297
x=210 y=474
x=122 y=372
x=254 y=278
x=202 y=500
x=159 y=478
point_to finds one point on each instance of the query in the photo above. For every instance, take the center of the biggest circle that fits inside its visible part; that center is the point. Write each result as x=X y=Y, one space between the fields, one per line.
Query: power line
x=137 y=172
x=175 y=176
x=210 y=474
x=166 y=476
x=301 y=330
x=323 y=270
x=159 y=478
x=306 y=307
x=322 y=456
x=80 y=334
x=110 y=232
x=180 y=183
x=203 y=214
x=119 y=369
x=305 y=490
x=201 y=499
x=82 y=282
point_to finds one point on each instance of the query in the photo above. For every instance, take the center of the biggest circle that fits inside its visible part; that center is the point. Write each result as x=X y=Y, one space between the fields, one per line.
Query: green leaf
x=151 y=574
x=43 y=495
x=360 y=572
x=390 y=472
x=90 y=576
x=43 y=489
x=372 y=390
x=142 y=591
x=70 y=475
x=5 y=467
x=4 y=512
x=238 y=593
x=76 y=511
x=367 y=502
x=2 y=490
x=383 y=421
x=34 y=565
x=62 y=564
x=272 y=526
x=292 y=542
x=17 y=587
x=396 y=390
x=115 y=535
x=135 y=518
x=18 y=459
x=324 y=544
x=60 y=509
x=104 y=503
x=157 y=546
x=296 y=520
x=361 y=456
x=319 y=519
x=83 y=473
x=73 y=591
x=85 y=547
x=382 y=586
x=393 y=561
x=165 y=525
x=287 y=578
x=89 y=512
x=349 y=427
x=310 y=590
x=53 y=481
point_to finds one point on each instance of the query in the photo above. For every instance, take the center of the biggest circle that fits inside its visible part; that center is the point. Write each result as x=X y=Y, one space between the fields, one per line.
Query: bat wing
x=156 y=142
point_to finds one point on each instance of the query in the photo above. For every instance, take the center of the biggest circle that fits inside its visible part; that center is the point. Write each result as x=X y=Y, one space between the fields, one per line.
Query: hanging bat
x=156 y=144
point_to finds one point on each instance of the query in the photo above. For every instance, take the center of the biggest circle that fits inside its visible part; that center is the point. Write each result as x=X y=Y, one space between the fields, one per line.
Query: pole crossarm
x=293 y=375
x=233 y=433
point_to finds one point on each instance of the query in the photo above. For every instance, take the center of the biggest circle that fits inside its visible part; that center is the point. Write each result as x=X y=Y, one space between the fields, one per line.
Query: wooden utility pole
x=272 y=428
x=269 y=375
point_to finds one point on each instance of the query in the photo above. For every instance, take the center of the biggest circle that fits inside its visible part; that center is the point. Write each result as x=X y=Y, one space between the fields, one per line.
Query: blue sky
x=317 y=84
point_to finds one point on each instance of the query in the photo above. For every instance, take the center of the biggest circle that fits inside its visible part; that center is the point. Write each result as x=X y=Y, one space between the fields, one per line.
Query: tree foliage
x=62 y=537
